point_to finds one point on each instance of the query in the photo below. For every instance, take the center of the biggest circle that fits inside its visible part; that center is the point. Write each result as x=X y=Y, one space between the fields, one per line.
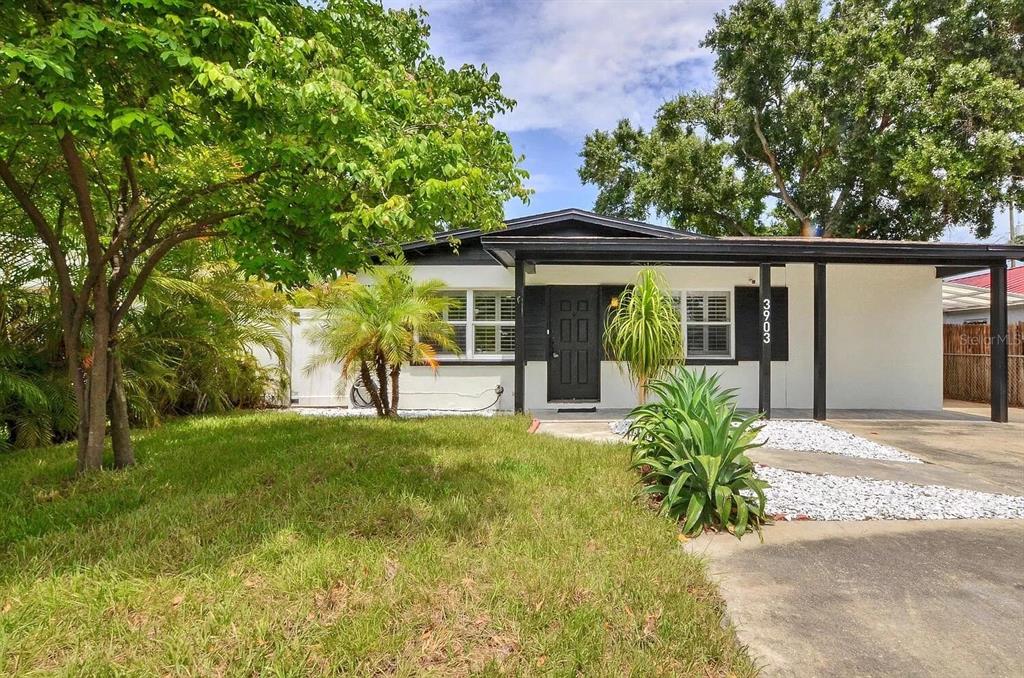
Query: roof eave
x=628 y=250
x=512 y=225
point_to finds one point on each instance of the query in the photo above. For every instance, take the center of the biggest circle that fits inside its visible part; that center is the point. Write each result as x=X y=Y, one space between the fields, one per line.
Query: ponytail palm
x=373 y=329
x=645 y=332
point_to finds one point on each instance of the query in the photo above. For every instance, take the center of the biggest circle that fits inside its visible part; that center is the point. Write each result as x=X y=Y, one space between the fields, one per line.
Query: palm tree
x=36 y=403
x=645 y=332
x=373 y=329
x=189 y=344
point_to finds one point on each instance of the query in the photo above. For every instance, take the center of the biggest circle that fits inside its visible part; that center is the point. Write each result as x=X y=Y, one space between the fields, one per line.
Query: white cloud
x=576 y=65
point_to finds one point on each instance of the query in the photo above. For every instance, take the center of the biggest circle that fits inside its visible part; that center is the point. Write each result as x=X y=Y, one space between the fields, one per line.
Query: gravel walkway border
x=828 y=497
x=812 y=436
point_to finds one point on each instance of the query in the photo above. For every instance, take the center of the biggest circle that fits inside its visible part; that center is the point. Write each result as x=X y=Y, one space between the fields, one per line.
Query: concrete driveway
x=989 y=453
x=881 y=598
x=877 y=598
x=888 y=598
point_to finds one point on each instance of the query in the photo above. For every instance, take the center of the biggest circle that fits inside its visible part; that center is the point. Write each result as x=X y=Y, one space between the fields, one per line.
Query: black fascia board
x=598 y=250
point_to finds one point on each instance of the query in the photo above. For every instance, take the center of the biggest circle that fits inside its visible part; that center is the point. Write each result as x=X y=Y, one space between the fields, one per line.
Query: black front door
x=574 y=365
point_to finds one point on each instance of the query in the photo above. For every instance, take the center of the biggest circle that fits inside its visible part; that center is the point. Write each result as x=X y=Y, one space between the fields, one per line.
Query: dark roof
x=586 y=216
x=627 y=227
x=778 y=250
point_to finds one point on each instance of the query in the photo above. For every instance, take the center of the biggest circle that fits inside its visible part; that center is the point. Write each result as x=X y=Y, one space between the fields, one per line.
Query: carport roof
x=959 y=297
x=735 y=250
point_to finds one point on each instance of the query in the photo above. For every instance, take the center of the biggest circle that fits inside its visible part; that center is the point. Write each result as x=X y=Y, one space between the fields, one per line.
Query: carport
x=524 y=254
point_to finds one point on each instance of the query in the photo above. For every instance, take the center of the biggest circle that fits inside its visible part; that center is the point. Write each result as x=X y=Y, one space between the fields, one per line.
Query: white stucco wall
x=884 y=340
x=884 y=337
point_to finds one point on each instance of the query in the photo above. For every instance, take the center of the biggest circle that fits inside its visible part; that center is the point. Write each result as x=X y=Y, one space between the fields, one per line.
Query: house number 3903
x=766 y=316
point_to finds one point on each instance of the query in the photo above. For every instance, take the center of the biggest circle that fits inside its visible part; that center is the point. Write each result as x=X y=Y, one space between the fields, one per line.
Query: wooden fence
x=965 y=363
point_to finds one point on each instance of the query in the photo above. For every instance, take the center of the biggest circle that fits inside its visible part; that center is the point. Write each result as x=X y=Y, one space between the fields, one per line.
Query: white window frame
x=470 y=324
x=731 y=323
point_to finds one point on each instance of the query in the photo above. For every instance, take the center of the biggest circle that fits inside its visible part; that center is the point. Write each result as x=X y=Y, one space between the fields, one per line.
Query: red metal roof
x=1014 y=280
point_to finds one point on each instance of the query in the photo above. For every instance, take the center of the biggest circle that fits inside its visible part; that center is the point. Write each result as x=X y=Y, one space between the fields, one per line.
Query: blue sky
x=578 y=65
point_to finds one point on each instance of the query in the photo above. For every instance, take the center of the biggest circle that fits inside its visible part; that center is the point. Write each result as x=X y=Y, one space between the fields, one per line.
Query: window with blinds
x=484 y=323
x=708 y=324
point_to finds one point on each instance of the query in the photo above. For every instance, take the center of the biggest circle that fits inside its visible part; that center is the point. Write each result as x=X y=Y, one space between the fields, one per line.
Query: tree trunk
x=382 y=381
x=78 y=382
x=364 y=374
x=395 y=370
x=90 y=455
x=120 y=432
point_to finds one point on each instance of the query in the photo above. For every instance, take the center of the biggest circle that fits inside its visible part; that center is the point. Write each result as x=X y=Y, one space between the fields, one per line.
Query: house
x=965 y=299
x=789 y=322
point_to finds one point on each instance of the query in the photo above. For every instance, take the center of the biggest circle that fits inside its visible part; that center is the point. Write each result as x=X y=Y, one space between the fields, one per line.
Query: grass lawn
x=274 y=544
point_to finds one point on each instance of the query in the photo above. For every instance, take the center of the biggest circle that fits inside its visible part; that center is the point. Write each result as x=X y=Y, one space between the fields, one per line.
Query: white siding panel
x=319 y=387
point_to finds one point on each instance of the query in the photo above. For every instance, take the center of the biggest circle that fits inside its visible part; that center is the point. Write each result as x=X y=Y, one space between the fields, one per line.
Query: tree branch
x=80 y=187
x=780 y=180
x=834 y=210
x=48 y=236
x=197 y=230
x=133 y=186
x=189 y=196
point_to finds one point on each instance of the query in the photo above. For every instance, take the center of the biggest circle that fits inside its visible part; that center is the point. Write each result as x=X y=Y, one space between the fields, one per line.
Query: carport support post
x=819 y=341
x=764 y=400
x=999 y=344
x=520 y=356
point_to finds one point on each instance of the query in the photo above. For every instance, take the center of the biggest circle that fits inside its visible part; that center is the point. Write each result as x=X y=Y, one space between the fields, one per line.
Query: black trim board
x=751 y=251
x=605 y=296
x=452 y=362
x=536 y=302
x=747 y=328
x=710 y=362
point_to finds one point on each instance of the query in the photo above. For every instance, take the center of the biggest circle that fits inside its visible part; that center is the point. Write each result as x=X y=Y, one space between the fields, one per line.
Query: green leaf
x=694 y=511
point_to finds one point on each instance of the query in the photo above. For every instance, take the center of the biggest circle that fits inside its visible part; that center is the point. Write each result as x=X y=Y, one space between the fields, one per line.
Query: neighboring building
x=965 y=299
x=853 y=323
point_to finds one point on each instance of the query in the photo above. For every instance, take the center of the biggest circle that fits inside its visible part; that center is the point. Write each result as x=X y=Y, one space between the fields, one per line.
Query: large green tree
x=310 y=137
x=864 y=118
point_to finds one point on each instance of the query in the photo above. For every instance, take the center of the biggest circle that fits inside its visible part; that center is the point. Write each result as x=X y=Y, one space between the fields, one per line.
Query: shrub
x=645 y=333
x=690 y=448
x=187 y=345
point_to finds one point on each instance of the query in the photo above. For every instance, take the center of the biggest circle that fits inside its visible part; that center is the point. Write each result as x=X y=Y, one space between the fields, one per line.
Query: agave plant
x=690 y=447
x=644 y=333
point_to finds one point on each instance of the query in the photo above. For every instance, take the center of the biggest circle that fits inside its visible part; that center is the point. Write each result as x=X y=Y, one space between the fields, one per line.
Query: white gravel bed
x=619 y=426
x=829 y=497
x=371 y=412
x=812 y=436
